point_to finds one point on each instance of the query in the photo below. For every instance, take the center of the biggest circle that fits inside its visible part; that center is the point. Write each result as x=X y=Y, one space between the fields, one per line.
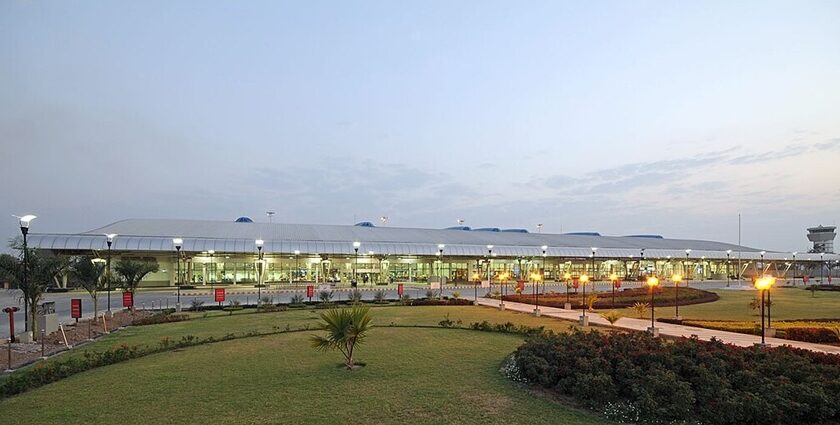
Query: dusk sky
x=618 y=117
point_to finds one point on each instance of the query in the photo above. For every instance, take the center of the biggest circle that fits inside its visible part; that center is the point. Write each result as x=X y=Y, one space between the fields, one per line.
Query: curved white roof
x=152 y=235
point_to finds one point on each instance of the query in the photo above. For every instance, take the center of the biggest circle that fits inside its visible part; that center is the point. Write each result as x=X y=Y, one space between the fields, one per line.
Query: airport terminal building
x=245 y=252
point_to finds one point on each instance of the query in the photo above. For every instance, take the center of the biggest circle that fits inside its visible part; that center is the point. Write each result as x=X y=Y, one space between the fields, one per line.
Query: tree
x=44 y=270
x=131 y=272
x=89 y=275
x=345 y=328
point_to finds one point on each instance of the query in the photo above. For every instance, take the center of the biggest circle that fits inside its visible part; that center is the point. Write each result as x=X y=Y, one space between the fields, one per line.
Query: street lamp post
x=259 y=243
x=178 y=242
x=677 y=279
x=728 y=277
x=584 y=319
x=541 y=276
x=212 y=271
x=594 y=274
x=686 y=270
x=490 y=273
x=567 y=277
x=763 y=284
x=356 y=246
x=652 y=283
x=297 y=267
x=822 y=266
x=794 y=267
x=24 y=229
x=109 y=240
x=613 y=280
x=440 y=267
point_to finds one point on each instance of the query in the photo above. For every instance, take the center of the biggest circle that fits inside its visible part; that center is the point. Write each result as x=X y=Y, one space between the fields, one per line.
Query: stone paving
x=668 y=329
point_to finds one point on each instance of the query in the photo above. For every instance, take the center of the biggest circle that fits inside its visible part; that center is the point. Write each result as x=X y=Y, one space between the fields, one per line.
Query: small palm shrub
x=641 y=309
x=325 y=296
x=356 y=296
x=612 y=317
x=297 y=299
x=456 y=295
x=379 y=296
x=345 y=328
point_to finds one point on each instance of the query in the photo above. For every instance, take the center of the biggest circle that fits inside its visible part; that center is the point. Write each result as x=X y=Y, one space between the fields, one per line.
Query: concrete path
x=733 y=338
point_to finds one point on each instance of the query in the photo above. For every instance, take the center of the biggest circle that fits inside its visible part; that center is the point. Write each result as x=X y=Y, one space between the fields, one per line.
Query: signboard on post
x=310 y=291
x=219 y=295
x=617 y=283
x=400 y=289
x=76 y=308
x=434 y=285
x=575 y=283
x=485 y=283
x=128 y=299
x=520 y=285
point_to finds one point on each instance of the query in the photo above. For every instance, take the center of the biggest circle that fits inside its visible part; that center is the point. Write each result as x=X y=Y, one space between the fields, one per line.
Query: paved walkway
x=733 y=338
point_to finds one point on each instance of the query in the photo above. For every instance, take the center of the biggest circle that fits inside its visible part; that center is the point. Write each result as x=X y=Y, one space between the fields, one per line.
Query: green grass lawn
x=788 y=303
x=413 y=375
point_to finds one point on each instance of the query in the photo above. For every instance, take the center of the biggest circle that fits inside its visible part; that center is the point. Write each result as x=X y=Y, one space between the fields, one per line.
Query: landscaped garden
x=662 y=297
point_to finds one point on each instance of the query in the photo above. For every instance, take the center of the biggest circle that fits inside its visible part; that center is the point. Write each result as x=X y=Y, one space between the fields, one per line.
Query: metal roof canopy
x=154 y=235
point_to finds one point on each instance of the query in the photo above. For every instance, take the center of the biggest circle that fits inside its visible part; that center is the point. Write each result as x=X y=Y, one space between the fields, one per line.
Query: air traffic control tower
x=823 y=238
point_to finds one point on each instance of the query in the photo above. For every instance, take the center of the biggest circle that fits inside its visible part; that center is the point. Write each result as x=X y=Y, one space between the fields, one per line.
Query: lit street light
x=490 y=273
x=584 y=320
x=652 y=283
x=259 y=243
x=677 y=279
x=613 y=280
x=440 y=267
x=763 y=284
x=728 y=277
x=686 y=270
x=24 y=221
x=794 y=267
x=567 y=277
x=178 y=242
x=109 y=240
x=356 y=246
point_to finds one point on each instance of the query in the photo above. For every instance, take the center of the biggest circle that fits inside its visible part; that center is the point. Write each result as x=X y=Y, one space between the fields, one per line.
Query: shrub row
x=663 y=297
x=432 y=301
x=812 y=334
x=157 y=318
x=653 y=380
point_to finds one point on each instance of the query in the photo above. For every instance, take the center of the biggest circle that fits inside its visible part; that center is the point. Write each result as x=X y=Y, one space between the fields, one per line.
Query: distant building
x=222 y=252
x=823 y=238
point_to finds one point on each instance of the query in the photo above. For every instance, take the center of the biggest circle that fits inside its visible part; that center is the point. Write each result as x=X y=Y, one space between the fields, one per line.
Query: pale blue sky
x=619 y=117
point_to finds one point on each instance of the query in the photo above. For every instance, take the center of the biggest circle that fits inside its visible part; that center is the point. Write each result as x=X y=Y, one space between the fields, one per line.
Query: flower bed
x=663 y=297
x=432 y=301
x=653 y=380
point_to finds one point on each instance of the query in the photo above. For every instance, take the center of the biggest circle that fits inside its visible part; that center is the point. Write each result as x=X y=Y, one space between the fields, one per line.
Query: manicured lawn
x=788 y=303
x=218 y=323
x=413 y=375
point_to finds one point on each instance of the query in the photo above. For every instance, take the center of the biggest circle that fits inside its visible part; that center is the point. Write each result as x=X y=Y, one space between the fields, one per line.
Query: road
x=164 y=298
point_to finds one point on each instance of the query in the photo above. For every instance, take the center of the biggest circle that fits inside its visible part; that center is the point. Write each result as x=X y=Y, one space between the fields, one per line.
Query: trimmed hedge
x=432 y=301
x=654 y=380
x=810 y=334
x=663 y=297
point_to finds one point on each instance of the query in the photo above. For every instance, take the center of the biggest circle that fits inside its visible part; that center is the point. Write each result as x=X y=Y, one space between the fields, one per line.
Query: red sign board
x=219 y=295
x=400 y=289
x=76 y=308
x=575 y=283
x=617 y=283
x=310 y=291
x=804 y=279
x=128 y=299
x=520 y=285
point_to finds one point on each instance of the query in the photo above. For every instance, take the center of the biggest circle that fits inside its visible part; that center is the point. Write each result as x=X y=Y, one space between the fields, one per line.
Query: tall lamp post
x=212 y=273
x=794 y=267
x=259 y=243
x=584 y=320
x=613 y=281
x=763 y=284
x=356 y=246
x=109 y=240
x=490 y=270
x=440 y=267
x=676 y=278
x=822 y=266
x=652 y=283
x=567 y=277
x=24 y=229
x=728 y=274
x=541 y=278
x=178 y=242
x=594 y=274
x=686 y=270
x=297 y=266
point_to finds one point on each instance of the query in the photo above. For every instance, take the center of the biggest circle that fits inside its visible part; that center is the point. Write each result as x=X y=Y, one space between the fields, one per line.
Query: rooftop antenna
x=460 y=221
x=539 y=227
x=384 y=219
x=270 y=214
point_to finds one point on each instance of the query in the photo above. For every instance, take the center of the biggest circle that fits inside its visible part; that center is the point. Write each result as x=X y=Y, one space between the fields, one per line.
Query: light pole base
x=537 y=312
x=678 y=318
x=584 y=320
x=108 y=314
x=502 y=306
x=8 y=370
x=653 y=331
x=567 y=306
x=769 y=332
x=178 y=307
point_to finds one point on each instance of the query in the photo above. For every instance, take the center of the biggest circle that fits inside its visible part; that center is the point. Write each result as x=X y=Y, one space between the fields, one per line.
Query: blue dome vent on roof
x=487 y=229
x=644 y=236
x=515 y=230
x=244 y=219
x=458 y=228
x=364 y=224
x=583 y=234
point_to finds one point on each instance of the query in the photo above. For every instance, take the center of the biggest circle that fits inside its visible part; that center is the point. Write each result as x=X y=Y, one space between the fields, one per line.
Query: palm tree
x=44 y=270
x=131 y=272
x=89 y=274
x=345 y=328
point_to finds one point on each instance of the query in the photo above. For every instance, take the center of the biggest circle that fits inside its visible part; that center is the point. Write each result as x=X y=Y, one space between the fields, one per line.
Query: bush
x=426 y=301
x=160 y=318
x=655 y=380
x=355 y=296
x=379 y=297
x=297 y=299
x=325 y=296
x=196 y=305
x=456 y=295
x=816 y=335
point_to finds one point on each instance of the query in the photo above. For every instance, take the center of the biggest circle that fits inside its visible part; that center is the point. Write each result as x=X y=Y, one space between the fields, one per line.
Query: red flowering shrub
x=817 y=335
x=666 y=381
